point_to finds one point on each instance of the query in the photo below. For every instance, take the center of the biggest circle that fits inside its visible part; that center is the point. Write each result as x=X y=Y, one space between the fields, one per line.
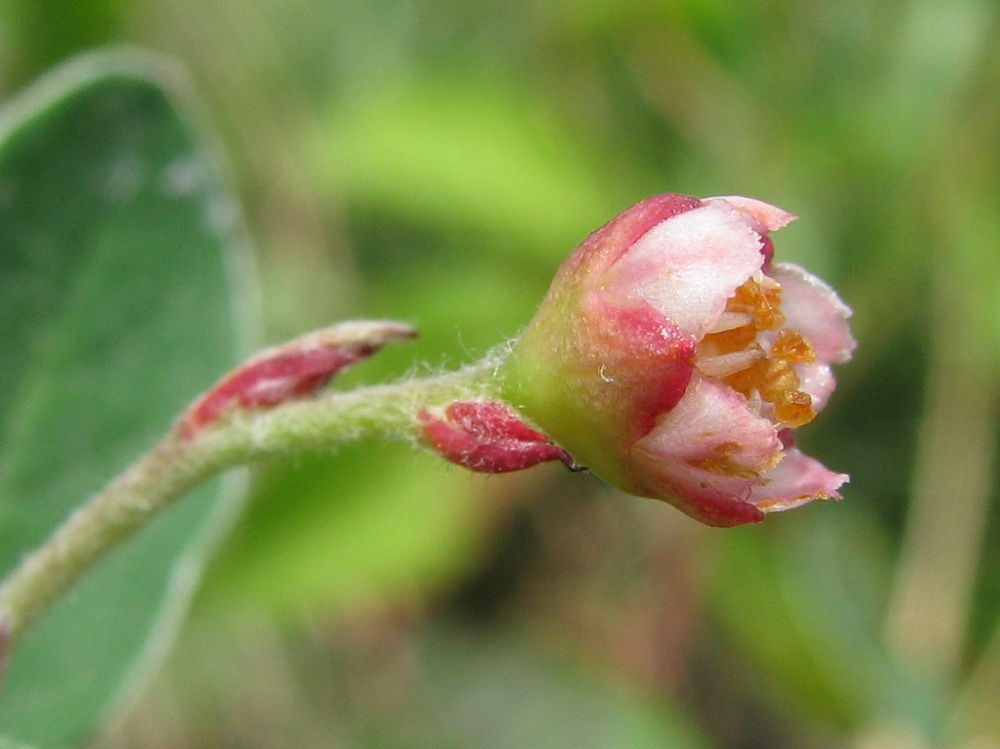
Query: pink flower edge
x=719 y=462
x=688 y=265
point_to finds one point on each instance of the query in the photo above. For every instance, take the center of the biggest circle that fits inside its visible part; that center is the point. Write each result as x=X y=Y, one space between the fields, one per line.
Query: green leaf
x=117 y=243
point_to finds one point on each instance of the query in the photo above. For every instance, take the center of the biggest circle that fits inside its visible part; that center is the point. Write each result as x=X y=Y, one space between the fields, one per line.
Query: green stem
x=175 y=466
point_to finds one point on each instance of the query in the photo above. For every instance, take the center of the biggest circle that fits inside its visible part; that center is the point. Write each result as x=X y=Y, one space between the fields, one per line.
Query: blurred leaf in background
x=434 y=161
x=119 y=248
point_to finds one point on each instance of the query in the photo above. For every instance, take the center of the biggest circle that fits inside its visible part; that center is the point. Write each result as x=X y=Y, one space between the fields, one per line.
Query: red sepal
x=488 y=437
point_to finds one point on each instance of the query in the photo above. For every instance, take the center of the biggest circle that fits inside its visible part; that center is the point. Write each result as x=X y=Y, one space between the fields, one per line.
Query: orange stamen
x=770 y=378
x=791 y=346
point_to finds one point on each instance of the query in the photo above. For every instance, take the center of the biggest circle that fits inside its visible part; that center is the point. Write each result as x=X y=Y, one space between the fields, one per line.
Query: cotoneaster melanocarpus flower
x=674 y=358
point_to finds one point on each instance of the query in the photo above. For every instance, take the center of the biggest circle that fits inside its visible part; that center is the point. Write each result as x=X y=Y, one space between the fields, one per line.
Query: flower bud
x=487 y=437
x=292 y=371
x=674 y=359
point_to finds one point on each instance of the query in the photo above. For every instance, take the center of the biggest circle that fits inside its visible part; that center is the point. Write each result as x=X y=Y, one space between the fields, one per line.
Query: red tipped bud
x=488 y=437
x=291 y=371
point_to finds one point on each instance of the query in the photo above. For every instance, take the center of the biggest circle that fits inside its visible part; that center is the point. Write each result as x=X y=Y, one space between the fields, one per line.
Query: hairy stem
x=176 y=465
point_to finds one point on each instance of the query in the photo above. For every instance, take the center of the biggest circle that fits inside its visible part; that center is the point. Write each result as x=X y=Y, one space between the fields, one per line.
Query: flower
x=674 y=359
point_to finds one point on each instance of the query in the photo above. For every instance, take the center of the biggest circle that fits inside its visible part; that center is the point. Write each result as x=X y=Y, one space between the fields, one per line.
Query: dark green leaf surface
x=116 y=243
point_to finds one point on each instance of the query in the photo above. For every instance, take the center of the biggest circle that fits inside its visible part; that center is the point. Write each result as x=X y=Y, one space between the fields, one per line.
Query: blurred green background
x=434 y=161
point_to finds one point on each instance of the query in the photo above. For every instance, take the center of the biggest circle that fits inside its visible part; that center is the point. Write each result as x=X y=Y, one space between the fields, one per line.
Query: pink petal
x=711 y=415
x=707 y=455
x=818 y=381
x=765 y=217
x=689 y=265
x=606 y=245
x=797 y=479
x=813 y=308
x=631 y=225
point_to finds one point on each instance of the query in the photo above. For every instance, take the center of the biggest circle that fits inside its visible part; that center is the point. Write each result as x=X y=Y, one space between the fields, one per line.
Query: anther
x=791 y=346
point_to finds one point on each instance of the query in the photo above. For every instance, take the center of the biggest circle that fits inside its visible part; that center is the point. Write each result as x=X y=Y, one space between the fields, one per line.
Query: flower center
x=761 y=367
